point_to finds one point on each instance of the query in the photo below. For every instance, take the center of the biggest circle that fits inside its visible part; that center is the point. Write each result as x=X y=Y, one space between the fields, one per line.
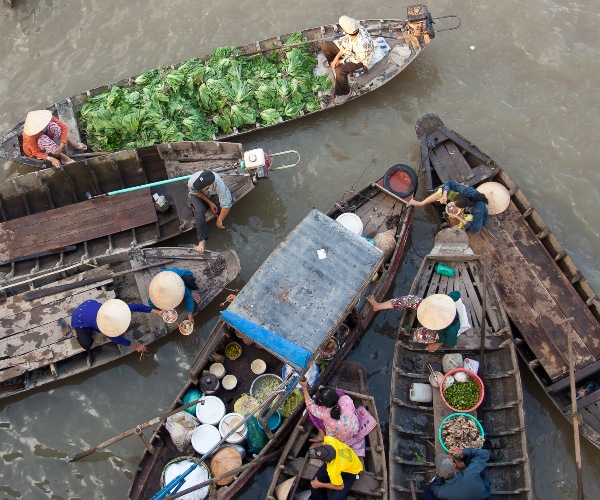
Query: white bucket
x=205 y=437
x=200 y=474
x=227 y=423
x=351 y=222
x=421 y=393
x=210 y=410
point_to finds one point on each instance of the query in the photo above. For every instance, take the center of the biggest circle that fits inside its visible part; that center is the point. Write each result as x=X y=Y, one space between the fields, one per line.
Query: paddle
x=44 y=292
x=576 y=416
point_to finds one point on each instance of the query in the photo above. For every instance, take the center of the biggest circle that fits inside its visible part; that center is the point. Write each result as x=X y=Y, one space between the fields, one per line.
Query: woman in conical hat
x=45 y=137
x=473 y=205
x=172 y=285
x=111 y=318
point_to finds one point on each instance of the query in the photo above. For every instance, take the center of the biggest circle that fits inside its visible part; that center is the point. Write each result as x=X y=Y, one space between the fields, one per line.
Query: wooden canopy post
x=576 y=416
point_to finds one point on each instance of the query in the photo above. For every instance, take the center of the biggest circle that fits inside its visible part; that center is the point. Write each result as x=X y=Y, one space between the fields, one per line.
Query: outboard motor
x=420 y=20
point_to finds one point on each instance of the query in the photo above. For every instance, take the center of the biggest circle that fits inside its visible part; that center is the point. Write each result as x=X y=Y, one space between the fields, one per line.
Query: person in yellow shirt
x=339 y=471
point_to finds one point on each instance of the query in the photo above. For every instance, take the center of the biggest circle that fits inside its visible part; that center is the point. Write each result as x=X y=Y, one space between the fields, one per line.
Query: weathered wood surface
x=31 y=339
x=75 y=223
x=414 y=425
x=536 y=294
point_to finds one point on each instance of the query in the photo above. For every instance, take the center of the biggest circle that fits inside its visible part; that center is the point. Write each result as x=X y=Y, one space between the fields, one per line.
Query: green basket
x=454 y=415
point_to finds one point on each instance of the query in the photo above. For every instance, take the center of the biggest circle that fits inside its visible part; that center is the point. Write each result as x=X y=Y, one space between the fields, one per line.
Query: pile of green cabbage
x=199 y=99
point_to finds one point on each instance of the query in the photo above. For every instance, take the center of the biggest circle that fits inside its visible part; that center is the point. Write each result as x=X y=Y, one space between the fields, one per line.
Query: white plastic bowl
x=351 y=222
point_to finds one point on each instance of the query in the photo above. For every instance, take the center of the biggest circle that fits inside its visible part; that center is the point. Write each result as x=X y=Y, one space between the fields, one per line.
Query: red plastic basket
x=471 y=374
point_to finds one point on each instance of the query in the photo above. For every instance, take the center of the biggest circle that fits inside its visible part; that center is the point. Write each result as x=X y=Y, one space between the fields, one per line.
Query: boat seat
x=75 y=223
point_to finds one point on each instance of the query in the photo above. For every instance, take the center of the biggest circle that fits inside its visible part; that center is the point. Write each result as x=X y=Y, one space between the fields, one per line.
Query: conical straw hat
x=436 y=311
x=497 y=195
x=283 y=489
x=113 y=318
x=36 y=121
x=166 y=290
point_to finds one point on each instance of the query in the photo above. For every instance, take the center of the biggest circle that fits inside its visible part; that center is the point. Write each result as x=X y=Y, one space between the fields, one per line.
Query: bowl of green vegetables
x=465 y=394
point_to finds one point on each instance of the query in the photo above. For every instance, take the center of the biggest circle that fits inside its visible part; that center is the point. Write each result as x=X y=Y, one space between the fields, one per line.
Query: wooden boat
x=33 y=350
x=539 y=284
x=289 y=313
x=414 y=34
x=49 y=226
x=352 y=379
x=414 y=426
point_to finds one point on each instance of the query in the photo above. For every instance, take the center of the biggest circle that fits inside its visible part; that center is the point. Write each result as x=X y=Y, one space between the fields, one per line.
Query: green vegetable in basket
x=463 y=396
x=291 y=403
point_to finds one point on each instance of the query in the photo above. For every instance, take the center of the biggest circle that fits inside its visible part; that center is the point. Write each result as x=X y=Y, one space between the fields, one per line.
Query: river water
x=519 y=78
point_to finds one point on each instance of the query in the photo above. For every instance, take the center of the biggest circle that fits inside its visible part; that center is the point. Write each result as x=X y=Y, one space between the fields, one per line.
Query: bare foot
x=81 y=146
x=199 y=247
x=315 y=439
x=372 y=302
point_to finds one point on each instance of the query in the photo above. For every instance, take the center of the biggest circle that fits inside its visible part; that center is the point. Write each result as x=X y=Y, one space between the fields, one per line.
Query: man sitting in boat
x=45 y=137
x=460 y=476
x=438 y=313
x=353 y=52
x=339 y=471
x=172 y=285
x=203 y=186
x=466 y=205
x=111 y=318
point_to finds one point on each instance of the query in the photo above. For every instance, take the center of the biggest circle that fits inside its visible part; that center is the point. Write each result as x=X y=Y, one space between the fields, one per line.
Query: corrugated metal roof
x=299 y=296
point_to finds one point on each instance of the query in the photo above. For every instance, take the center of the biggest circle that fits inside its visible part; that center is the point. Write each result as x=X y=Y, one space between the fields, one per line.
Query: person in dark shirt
x=460 y=476
x=111 y=318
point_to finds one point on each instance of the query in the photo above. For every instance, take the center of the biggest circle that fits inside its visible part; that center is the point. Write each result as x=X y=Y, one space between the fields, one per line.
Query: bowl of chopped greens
x=264 y=385
x=233 y=350
x=462 y=396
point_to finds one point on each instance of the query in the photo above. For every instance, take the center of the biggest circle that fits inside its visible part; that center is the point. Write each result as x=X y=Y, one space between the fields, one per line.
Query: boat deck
x=72 y=224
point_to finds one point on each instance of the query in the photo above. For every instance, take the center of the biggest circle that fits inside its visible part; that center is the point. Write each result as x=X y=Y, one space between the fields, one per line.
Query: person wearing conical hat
x=353 y=52
x=208 y=191
x=472 y=213
x=45 y=137
x=111 y=318
x=437 y=313
x=172 y=285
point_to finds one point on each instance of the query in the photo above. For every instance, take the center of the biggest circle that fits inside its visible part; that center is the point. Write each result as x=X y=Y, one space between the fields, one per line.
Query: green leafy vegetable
x=198 y=99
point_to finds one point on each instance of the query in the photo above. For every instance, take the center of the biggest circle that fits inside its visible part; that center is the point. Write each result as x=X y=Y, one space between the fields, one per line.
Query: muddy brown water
x=520 y=79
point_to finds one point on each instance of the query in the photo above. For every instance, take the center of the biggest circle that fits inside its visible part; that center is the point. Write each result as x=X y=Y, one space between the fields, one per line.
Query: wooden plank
x=459 y=161
x=438 y=167
x=47 y=314
x=448 y=164
x=440 y=412
x=492 y=320
x=94 y=225
x=525 y=297
x=579 y=375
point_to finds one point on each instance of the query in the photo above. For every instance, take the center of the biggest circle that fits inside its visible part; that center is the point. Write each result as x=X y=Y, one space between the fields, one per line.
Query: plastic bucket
x=478 y=381
x=454 y=415
x=227 y=423
x=351 y=222
x=210 y=410
x=178 y=466
x=204 y=437
x=274 y=421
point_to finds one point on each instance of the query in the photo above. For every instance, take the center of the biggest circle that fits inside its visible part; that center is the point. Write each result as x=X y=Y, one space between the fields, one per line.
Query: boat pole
x=483 y=311
x=576 y=416
x=136 y=430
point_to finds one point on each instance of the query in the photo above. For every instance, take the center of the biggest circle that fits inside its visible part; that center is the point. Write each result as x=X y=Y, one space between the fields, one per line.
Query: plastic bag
x=255 y=437
x=181 y=426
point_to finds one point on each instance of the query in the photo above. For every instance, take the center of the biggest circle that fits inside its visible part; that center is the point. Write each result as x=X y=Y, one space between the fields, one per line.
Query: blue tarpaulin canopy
x=304 y=289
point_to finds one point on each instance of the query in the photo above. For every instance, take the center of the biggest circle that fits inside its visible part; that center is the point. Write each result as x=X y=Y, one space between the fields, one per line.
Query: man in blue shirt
x=460 y=476
x=203 y=186
x=111 y=318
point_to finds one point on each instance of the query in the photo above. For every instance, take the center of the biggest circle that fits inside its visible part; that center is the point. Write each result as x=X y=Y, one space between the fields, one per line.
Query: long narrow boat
x=50 y=226
x=291 y=296
x=412 y=35
x=33 y=350
x=351 y=378
x=414 y=425
x=539 y=284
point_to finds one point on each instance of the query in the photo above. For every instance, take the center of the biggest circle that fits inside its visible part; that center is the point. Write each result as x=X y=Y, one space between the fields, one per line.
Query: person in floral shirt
x=336 y=412
x=348 y=54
